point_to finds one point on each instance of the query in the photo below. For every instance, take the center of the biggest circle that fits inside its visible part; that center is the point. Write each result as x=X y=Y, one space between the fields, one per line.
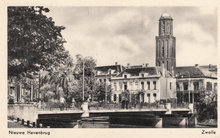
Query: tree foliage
x=34 y=41
x=207 y=104
x=60 y=80
x=100 y=90
x=88 y=64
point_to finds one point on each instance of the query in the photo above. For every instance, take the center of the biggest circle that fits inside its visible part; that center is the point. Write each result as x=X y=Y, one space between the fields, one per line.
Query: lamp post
x=188 y=85
x=83 y=81
x=106 y=88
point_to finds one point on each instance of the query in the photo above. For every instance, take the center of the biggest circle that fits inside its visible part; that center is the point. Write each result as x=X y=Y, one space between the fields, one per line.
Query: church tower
x=166 y=43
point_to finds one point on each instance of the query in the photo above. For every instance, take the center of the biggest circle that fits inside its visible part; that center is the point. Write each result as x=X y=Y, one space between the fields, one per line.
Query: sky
x=127 y=34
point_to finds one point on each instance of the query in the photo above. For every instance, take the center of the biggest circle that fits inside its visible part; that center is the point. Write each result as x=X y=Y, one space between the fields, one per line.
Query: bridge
x=154 y=117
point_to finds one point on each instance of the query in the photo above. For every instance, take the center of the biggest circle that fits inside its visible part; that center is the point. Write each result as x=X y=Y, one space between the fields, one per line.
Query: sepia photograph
x=111 y=67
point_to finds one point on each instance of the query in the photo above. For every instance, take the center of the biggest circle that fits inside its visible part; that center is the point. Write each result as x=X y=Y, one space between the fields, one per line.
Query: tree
x=89 y=76
x=60 y=80
x=100 y=91
x=207 y=103
x=34 y=42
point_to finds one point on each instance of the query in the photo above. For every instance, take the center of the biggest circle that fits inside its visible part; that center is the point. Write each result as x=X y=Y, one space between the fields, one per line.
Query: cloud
x=195 y=45
x=127 y=34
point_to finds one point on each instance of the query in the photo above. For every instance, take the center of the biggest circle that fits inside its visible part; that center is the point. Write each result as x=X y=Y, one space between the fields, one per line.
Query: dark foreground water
x=106 y=122
x=92 y=122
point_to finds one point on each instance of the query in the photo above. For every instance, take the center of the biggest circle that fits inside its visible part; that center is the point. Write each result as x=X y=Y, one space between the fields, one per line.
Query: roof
x=195 y=72
x=136 y=71
x=117 y=68
x=165 y=16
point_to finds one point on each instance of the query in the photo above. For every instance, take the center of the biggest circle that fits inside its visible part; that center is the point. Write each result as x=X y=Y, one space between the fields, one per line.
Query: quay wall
x=23 y=111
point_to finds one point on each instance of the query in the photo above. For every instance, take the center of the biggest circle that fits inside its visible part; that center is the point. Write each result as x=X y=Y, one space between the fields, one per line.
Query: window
x=155 y=85
x=185 y=86
x=131 y=85
x=120 y=85
x=100 y=80
x=162 y=51
x=155 y=96
x=115 y=97
x=142 y=75
x=196 y=86
x=119 y=97
x=142 y=85
x=104 y=80
x=167 y=45
x=148 y=85
x=125 y=86
x=215 y=86
x=136 y=85
x=170 y=85
x=125 y=76
x=209 y=86
x=115 y=85
x=148 y=97
x=177 y=86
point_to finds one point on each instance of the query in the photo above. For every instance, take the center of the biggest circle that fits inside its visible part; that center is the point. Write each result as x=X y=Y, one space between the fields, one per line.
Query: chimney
x=146 y=64
x=210 y=65
x=196 y=65
x=128 y=65
x=143 y=65
x=116 y=63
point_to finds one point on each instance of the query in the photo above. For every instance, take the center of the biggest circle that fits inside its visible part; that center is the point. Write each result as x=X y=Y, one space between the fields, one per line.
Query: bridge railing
x=112 y=106
x=179 y=105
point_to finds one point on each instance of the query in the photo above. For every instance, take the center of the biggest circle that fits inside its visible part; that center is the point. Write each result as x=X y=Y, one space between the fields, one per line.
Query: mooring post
x=22 y=121
x=28 y=123
x=41 y=125
x=33 y=124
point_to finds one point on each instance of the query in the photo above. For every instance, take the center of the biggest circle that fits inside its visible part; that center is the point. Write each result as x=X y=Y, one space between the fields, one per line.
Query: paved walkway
x=13 y=124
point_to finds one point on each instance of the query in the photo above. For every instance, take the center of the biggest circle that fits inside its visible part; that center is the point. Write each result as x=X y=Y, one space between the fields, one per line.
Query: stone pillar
x=159 y=123
x=191 y=108
x=168 y=107
x=183 y=122
x=174 y=122
x=85 y=109
x=192 y=121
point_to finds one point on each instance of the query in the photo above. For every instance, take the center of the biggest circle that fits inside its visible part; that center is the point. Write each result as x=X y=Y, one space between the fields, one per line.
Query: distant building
x=146 y=84
x=191 y=80
x=165 y=81
x=21 y=91
x=105 y=73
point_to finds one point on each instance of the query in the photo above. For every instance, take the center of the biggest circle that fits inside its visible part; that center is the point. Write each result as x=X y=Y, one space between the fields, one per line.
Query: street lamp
x=83 y=81
x=188 y=85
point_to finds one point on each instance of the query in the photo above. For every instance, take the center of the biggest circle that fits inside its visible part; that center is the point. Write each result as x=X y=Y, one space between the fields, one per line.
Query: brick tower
x=166 y=43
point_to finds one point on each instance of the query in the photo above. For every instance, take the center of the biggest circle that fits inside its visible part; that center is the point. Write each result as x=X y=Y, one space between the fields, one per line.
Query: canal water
x=103 y=122
x=93 y=122
x=106 y=122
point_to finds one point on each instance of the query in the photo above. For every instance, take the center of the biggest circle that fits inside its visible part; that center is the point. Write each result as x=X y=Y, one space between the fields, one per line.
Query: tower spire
x=166 y=43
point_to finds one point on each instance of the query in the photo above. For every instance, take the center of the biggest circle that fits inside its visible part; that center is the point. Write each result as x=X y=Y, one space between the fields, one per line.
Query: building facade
x=192 y=80
x=146 y=84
